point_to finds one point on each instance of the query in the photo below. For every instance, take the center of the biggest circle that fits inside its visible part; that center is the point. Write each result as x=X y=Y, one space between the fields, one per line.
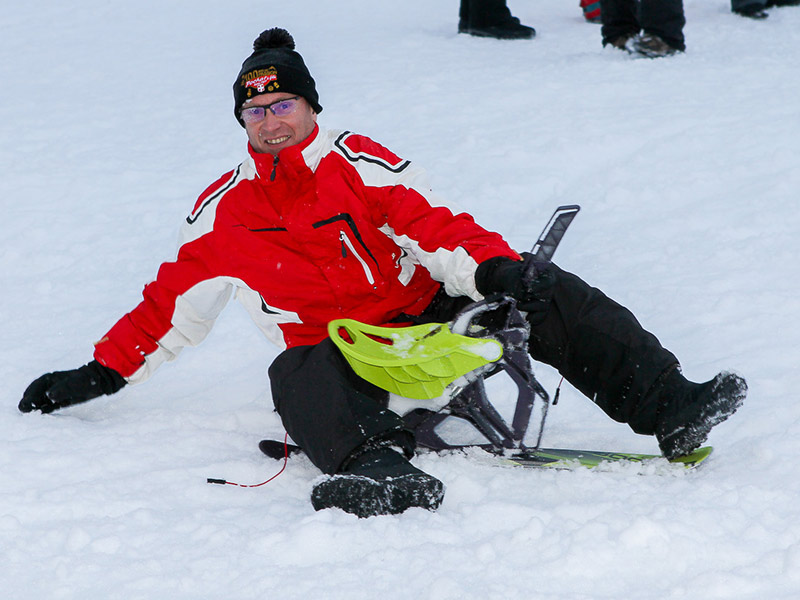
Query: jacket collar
x=266 y=163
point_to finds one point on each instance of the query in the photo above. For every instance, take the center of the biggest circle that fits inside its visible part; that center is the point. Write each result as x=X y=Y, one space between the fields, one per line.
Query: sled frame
x=471 y=403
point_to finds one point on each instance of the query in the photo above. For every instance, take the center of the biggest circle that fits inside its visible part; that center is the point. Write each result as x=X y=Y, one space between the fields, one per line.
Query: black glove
x=529 y=282
x=64 y=388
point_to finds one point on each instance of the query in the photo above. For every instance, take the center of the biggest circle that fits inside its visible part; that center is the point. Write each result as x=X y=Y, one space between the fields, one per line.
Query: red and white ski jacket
x=337 y=226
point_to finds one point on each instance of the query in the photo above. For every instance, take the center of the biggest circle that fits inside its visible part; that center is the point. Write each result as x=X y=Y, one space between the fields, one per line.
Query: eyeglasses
x=281 y=108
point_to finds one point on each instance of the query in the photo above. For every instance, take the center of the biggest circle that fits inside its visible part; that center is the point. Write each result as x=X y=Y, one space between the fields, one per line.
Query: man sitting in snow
x=316 y=225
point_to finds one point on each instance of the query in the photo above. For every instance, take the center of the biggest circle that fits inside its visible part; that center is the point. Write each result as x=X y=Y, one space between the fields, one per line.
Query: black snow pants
x=595 y=343
x=663 y=18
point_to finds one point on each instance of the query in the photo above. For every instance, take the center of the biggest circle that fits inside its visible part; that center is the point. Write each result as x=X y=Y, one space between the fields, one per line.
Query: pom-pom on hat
x=274 y=66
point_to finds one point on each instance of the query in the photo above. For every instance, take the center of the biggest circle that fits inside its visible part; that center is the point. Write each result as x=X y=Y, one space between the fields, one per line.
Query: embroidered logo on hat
x=262 y=80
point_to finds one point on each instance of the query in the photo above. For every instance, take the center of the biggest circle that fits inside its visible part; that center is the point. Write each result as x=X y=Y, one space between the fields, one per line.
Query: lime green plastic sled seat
x=414 y=362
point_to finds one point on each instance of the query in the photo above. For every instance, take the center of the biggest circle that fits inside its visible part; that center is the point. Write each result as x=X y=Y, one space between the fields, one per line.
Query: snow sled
x=436 y=372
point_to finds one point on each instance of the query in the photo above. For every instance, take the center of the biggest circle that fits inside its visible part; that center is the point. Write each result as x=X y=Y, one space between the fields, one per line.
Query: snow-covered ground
x=115 y=115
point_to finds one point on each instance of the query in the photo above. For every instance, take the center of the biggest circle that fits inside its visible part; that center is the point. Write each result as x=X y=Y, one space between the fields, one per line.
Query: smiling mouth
x=278 y=140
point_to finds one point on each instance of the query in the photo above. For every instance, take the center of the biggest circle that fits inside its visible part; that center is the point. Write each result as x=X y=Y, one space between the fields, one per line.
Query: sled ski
x=558 y=458
x=553 y=458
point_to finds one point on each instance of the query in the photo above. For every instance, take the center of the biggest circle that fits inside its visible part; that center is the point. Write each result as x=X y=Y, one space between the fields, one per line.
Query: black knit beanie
x=274 y=66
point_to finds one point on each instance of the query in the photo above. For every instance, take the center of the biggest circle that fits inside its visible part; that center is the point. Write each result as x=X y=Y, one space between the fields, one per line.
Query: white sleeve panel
x=196 y=312
x=194 y=316
x=454 y=268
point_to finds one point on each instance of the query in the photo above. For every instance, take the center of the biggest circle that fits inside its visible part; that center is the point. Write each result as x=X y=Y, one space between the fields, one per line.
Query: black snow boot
x=752 y=11
x=651 y=45
x=491 y=18
x=688 y=411
x=378 y=482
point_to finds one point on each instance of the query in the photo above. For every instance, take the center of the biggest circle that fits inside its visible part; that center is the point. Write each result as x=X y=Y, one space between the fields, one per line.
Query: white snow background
x=115 y=115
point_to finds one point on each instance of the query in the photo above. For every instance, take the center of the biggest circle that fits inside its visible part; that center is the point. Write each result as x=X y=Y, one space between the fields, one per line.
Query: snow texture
x=116 y=115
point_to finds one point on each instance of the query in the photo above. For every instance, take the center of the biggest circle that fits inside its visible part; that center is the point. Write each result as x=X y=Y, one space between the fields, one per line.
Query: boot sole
x=366 y=497
x=500 y=34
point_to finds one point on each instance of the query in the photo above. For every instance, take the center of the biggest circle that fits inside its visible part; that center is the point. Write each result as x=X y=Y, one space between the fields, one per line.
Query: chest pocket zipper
x=349 y=245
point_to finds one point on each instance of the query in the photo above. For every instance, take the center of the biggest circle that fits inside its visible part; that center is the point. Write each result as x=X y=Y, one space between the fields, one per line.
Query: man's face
x=273 y=133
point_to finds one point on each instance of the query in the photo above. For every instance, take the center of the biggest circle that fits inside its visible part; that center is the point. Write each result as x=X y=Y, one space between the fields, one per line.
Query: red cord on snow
x=255 y=485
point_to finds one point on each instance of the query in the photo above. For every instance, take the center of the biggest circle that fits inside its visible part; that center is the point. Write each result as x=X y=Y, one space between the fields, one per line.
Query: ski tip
x=278 y=449
x=695 y=458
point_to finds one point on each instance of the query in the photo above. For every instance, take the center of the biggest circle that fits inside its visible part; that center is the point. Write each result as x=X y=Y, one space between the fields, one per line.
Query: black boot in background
x=688 y=411
x=491 y=18
x=752 y=11
x=379 y=481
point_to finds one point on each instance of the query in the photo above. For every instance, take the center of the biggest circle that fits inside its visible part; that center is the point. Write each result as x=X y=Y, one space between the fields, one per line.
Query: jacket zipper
x=274 y=168
x=346 y=242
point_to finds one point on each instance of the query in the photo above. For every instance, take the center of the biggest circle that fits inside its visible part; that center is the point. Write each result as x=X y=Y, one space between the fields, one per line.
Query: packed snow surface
x=116 y=115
